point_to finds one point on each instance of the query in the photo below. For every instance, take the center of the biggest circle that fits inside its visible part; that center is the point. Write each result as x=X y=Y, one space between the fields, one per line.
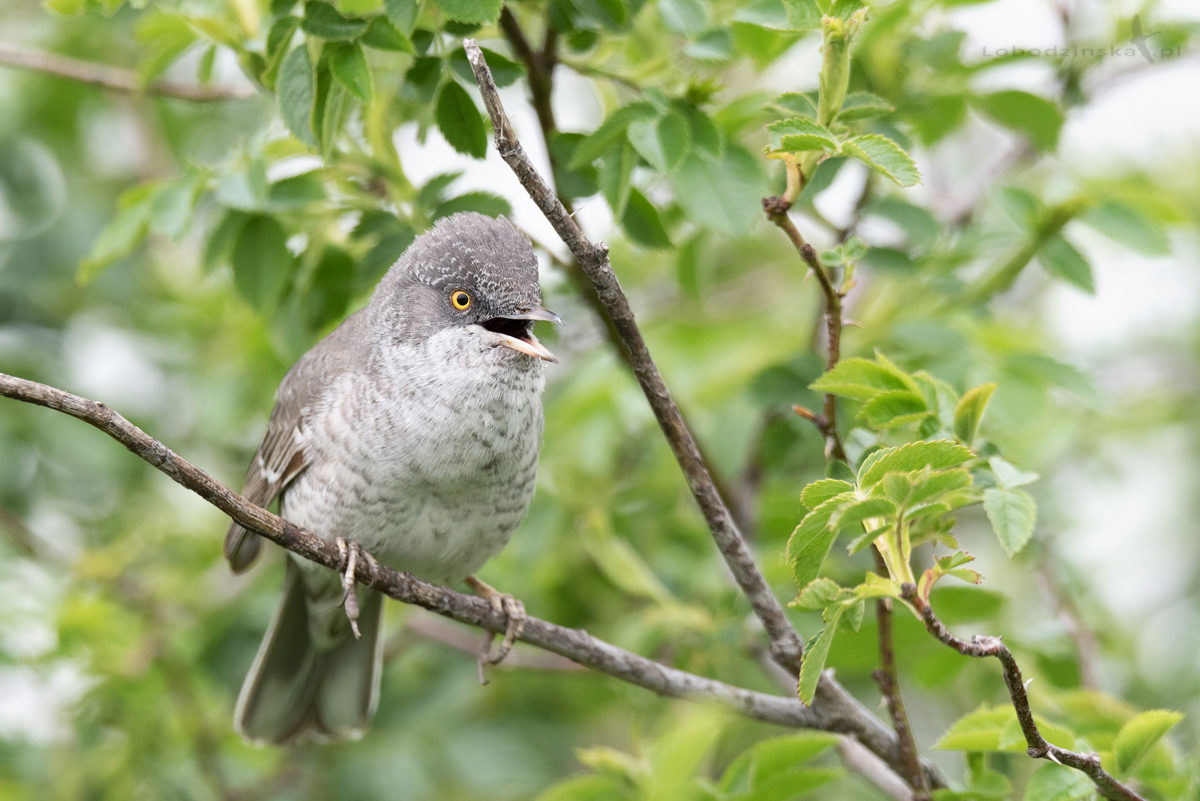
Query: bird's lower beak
x=528 y=345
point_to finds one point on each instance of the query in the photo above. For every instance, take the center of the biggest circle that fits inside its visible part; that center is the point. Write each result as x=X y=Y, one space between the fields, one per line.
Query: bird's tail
x=304 y=683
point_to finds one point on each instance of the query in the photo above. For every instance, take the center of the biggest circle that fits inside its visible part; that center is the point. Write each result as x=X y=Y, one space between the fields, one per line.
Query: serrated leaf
x=1028 y=114
x=815 y=654
x=295 y=192
x=930 y=486
x=799 y=134
x=1060 y=258
x=459 y=120
x=610 y=133
x=614 y=177
x=861 y=379
x=820 y=491
x=885 y=157
x=811 y=540
x=402 y=14
x=349 y=68
x=674 y=138
x=796 y=104
x=1012 y=513
x=877 y=586
x=895 y=407
x=817 y=594
x=1139 y=735
x=221 y=240
x=685 y=17
x=856 y=512
x=862 y=105
x=324 y=21
x=704 y=135
x=477 y=12
x=1058 y=783
x=1008 y=474
x=381 y=34
x=297 y=92
x=723 y=193
x=643 y=135
x=980 y=730
x=261 y=261
x=969 y=411
x=936 y=455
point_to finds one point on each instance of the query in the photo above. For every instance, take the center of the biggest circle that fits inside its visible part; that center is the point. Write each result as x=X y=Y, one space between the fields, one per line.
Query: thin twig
x=777 y=212
x=874 y=770
x=1038 y=748
x=115 y=78
x=885 y=676
x=835 y=710
x=786 y=646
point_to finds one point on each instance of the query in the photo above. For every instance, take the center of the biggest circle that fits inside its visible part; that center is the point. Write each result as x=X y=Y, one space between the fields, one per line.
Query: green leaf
x=643 y=135
x=815 y=654
x=610 y=133
x=459 y=121
x=935 y=455
x=324 y=21
x=1012 y=513
x=261 y=261
x=810 y=542
x=297 y=93
x=1122 y=223
x=381 y=34
x=855 y=513
x=795 y=104
x=725 y=193
x=980 y=730
x=685 y=17
x=1035 y=117
x=613 y=176
x=505 y=71
x=221 y=240
x=703 y=133
x=928 y=487
x=349 y=68
x=1008 y=474
x=714 y=45
x=817 y=594
x=1062 y=260
x=861 y=379
x=1059 y=783
x=892 y=408
x=885 y=157
x=124 y=232
x=818 y=492
x=402 y=14
x=642 y=222
x=862 y=105
x=331 y=287
x=296 y=192
x=969 y=411
x=483 y=202
x=674 y=138
x=799 y=134
x=479 y=12
x=1139 y=735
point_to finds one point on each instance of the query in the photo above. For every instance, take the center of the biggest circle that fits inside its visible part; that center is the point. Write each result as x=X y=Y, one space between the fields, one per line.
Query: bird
x=410 y=434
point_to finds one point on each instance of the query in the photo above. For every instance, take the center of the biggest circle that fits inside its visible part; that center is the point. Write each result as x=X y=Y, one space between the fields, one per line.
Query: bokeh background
x=123 y=638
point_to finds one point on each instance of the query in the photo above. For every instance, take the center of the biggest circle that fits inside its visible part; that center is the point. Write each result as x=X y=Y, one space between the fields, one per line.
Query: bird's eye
x=460 y=300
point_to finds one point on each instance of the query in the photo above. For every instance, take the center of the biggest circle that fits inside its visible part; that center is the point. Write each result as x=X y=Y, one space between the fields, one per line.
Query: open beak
x=515 y=331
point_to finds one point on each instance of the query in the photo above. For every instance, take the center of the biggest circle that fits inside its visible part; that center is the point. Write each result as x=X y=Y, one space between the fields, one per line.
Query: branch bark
x=834 y=711
x=982 y=646
x=116 y=79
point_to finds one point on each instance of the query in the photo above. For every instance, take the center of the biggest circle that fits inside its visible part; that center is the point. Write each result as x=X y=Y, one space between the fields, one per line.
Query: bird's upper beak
x=520 y=337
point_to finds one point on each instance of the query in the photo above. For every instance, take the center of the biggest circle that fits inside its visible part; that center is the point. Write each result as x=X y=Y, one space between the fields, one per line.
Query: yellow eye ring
x=460 y=300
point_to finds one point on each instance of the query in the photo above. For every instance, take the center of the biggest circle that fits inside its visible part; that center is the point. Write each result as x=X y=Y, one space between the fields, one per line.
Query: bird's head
x=468 y=270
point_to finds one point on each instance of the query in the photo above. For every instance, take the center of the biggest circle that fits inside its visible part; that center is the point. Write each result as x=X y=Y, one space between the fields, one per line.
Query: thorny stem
x=983 y=646
x=777 y=212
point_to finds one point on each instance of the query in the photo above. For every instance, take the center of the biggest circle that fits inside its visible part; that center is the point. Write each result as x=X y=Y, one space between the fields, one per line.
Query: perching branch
x=109 y=77
x=982 y=647
x=838 y=713
x=593 y=259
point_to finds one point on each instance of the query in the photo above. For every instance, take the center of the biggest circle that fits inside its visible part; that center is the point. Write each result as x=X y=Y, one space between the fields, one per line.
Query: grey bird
x=412 y=430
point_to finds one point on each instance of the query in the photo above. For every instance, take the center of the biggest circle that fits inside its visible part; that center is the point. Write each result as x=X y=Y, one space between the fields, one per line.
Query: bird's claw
x=514 y=615
x=350 y=552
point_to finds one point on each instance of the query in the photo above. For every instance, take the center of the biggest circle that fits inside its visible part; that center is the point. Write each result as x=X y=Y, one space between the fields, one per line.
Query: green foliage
x=174 y=258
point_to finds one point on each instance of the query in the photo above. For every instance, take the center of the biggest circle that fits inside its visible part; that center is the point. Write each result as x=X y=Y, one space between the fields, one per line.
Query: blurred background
x=123 y=637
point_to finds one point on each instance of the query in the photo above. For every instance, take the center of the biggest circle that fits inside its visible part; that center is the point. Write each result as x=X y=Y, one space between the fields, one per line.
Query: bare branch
x=593 y=259
x=890 y=687
x=834 y=710
x=873 y=769
x=109 y=77
x=1038 y=748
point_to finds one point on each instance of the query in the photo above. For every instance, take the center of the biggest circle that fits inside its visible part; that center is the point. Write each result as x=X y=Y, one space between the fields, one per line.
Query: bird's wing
x=283 y=454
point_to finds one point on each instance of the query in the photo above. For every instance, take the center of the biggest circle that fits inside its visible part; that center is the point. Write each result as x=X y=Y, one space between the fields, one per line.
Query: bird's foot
x=514 y=613
x=350 y=553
